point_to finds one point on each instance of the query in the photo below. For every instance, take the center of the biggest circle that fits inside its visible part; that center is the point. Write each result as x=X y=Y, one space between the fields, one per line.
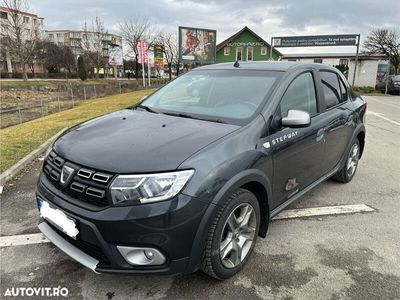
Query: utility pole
x=356 y=61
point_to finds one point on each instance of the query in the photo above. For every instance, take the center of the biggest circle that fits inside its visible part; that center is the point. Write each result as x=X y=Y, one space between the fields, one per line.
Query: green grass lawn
x=17 y=141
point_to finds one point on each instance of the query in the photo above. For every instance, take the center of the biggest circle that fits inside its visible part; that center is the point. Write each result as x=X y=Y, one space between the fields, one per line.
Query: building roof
x=260 y=65
x=362 y=55
x=229 y=39
x=6 y=9
x=78 y=30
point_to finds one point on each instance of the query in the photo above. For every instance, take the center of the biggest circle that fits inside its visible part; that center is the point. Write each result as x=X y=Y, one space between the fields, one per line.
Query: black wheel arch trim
x=236 y=182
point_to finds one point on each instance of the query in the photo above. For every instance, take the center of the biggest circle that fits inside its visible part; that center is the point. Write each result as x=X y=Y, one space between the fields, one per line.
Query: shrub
x=82 y=71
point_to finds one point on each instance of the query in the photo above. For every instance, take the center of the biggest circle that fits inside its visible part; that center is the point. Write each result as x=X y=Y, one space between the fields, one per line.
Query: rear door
x=297 y=152
x=338 y=116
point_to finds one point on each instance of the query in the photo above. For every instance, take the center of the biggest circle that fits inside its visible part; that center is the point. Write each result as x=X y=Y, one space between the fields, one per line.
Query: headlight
x=148 y=188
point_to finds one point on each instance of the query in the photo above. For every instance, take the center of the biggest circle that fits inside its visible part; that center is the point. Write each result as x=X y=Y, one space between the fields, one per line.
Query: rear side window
x=331 y=88
x=300 y=95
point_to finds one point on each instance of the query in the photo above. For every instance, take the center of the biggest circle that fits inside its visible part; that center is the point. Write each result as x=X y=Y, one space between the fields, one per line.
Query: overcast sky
x=266 y=17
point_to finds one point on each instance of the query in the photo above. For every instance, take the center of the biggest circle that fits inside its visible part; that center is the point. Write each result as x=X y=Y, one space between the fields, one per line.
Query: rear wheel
x=346 y=174
x=232 y=235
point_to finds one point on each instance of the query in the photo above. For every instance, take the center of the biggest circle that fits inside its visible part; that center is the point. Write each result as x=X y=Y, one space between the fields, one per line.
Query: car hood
x=132 y=141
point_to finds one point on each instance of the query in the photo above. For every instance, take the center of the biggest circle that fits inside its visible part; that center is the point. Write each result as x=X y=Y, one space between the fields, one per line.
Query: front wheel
x=232 y=235
x=346 y=174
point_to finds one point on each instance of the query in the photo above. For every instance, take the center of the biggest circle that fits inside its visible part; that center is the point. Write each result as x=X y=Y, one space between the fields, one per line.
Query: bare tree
x=169 y=44
x=55 y=58
x=136 y=29
x=95 y=41
x=385 y=41
x=20 y=37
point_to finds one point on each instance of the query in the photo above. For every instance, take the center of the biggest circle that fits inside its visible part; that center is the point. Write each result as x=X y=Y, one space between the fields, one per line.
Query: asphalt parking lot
x=353 y=256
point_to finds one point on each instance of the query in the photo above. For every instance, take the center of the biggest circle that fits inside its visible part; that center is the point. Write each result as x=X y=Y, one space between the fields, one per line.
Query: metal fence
x=62 y=97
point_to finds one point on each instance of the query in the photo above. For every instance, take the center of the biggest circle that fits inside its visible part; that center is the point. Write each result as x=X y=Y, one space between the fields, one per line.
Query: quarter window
x=300 y=95
x=343 y=90
x=331 y=88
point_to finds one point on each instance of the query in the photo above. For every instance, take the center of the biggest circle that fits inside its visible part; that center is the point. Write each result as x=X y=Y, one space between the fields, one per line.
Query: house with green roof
x=245 y=45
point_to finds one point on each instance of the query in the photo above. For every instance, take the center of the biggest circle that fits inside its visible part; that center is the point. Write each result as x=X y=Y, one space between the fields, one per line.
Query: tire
x=221 y=257
x=349 y=169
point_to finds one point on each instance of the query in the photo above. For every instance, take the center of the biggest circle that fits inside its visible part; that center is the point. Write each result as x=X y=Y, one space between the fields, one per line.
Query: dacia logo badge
x=66 y=174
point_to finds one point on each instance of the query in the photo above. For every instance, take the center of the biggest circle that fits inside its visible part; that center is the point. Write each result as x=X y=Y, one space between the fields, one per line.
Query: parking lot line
x=379 y=115
x=38 y=238
x=323 y=211
x=22 y=239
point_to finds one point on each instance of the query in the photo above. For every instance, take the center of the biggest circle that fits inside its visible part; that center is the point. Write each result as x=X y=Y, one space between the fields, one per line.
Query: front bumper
x=169 y=226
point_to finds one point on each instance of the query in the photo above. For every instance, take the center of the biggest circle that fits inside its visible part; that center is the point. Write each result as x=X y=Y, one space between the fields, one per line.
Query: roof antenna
x=236 y=64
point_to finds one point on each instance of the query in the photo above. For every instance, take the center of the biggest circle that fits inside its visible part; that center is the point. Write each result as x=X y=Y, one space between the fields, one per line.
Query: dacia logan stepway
x=189 y=177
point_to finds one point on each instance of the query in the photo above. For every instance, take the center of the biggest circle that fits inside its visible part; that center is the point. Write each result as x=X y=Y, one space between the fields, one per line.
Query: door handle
x=320 y=134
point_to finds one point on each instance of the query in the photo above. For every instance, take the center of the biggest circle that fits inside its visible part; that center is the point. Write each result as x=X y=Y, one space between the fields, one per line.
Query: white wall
x=366 y=69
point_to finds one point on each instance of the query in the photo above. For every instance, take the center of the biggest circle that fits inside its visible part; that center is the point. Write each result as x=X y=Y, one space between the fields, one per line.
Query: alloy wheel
x=352 y=160
x=238 y=235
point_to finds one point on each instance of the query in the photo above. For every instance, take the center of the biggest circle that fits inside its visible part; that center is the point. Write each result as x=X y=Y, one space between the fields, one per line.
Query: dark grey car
x=192 y=175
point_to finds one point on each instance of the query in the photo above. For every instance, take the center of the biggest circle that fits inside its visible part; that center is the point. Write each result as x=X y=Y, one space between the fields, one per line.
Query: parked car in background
x=190 y=177
x=393 y=85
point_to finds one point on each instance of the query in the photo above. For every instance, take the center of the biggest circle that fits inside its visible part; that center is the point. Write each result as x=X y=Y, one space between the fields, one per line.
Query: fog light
x=142 y=256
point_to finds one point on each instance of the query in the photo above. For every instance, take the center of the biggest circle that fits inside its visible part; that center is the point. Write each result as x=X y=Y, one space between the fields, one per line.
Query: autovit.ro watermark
x=36 y=292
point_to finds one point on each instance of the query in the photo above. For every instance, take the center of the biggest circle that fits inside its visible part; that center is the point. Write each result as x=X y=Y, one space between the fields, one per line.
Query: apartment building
x=31 y=29
x=75 y=39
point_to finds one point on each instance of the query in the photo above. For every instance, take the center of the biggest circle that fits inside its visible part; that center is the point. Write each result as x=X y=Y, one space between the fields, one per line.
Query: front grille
x=83 y=184
x=90 y=249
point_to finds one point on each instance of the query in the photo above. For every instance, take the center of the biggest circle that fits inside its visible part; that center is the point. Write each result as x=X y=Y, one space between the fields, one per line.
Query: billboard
x=158 y=57
x=197 y=45
x=115 y=56
x=316 y=40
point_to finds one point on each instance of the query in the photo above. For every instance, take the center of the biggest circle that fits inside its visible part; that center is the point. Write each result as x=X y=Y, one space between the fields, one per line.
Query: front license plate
x=58 y=218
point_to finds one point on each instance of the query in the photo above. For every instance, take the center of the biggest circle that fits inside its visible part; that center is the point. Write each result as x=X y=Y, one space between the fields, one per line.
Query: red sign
x=142 y=52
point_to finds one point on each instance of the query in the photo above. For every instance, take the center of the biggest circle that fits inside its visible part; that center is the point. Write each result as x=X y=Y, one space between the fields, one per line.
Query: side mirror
x=141 y=99
x=296 y=118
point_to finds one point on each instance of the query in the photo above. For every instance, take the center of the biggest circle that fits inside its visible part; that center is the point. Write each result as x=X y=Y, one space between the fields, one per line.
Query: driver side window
x=300 y=95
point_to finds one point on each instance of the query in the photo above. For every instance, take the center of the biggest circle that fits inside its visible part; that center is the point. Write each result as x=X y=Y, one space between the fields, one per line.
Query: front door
x=297 y=152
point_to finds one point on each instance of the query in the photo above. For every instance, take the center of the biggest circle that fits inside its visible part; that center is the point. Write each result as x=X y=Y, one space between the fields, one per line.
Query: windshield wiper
x=183 y=115
x=146 y=108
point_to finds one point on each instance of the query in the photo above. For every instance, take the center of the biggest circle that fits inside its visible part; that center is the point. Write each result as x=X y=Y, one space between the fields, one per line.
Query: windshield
x=217 y=95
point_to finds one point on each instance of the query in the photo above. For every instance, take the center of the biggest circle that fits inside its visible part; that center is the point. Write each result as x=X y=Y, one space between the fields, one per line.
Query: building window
x=318 y=60
x=239 y=51
x=249 y=53
x=343 y=62
x=292 y=59
x=263 y=50
x=60 y=43
x=59 y=35
x=227 y=50
x=51 y=36
x=75 y=35
x=3 y=15
x=26 y=19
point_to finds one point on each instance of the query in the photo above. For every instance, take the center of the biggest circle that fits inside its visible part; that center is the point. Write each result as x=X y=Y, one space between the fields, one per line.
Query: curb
x=15 y=169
